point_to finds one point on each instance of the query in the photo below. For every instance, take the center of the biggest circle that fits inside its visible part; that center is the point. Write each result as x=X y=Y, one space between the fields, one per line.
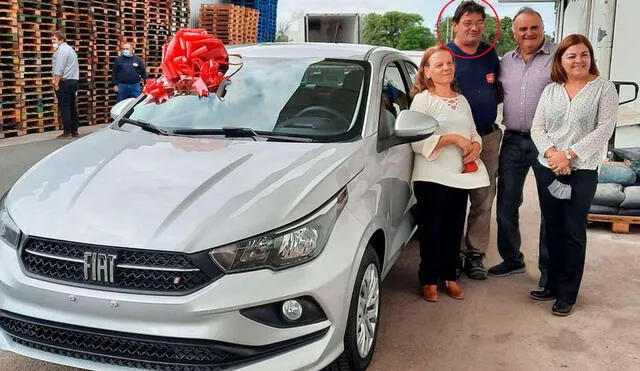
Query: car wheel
x=364 y=317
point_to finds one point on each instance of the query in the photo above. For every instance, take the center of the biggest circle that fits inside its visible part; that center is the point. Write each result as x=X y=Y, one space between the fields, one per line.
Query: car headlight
x=9 y=232
x=284 y=248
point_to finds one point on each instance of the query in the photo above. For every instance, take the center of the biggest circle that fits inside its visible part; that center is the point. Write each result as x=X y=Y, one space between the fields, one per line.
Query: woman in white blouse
x=439 y=179
x=574 y=121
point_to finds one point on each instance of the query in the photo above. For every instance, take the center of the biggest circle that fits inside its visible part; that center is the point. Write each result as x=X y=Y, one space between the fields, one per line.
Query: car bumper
x=210 y=314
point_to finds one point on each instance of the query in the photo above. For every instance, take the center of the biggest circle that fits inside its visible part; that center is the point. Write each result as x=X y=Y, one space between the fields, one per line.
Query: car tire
x=357 y=357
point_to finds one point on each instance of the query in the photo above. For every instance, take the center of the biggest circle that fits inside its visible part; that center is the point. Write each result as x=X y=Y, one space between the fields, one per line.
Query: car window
x=393 y=99
x=412 y=70
x=306 y=97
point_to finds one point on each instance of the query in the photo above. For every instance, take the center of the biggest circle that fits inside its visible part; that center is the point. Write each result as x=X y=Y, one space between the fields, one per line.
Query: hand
x=558 y=161
x=562 y=171
x=115 y=88
x=56 y=87
x=550 y=152
x=473 y=154
x=464 y=144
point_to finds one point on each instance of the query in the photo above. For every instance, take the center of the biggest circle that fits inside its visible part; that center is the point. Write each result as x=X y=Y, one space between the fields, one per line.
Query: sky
x=428 y=9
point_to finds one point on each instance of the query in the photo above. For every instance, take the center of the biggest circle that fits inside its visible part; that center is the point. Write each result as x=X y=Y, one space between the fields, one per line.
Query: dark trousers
x=517 y=155
x=441 y=213
x=67 y=105
x=566 y=222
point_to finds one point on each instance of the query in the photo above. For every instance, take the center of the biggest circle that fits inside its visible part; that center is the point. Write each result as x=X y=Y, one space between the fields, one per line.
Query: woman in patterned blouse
x=574 y=120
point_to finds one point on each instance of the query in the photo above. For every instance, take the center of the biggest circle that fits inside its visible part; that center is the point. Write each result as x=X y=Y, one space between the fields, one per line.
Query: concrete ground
x=497 y=327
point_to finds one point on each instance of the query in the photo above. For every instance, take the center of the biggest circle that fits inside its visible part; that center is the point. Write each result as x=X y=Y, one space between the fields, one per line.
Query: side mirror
x=410 y=126
x=414 y=126
x=120 y=107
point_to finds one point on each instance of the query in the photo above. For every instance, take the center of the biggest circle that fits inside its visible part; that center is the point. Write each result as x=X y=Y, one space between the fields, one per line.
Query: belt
x=525 y=134
x=488 y=131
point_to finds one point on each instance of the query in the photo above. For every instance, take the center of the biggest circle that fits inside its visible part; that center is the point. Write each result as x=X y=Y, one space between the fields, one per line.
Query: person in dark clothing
x=66 y=75
x=477 y=76
x=129 y=73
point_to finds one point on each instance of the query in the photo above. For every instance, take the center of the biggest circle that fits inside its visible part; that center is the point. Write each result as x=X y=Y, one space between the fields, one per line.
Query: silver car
x=249 y=232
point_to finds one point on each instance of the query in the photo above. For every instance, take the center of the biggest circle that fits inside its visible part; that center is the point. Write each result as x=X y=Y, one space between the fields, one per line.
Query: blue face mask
x=126 y=53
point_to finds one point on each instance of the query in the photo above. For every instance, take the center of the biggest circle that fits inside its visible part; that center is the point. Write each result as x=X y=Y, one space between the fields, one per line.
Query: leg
x=552 y=209
x=59 y=97
x=122 y=92
x=543 y=254
x=543 y=257
x=454 y=216
x=583 y=183
x=136 y=90
x=513 y=169
x=479 y=223
x=430 y=231
x=74 y=106
x=66 y=97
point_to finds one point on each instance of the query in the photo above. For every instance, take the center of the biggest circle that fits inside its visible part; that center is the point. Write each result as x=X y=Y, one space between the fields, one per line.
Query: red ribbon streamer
x=194 y=62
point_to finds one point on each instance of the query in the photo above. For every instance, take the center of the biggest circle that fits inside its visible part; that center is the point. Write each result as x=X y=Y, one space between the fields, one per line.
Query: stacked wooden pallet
x=106 y=46
x=159 y=20
x=268 y=13
x=226 y=21
x=95 y=29
x=251 y=22
x=76 y=21
x=133 y=25
x=9 y=71
x=180 y=14
x=37 y=22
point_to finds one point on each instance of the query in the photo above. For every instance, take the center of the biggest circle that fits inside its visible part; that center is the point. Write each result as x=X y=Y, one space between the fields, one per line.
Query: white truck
x=325 y=27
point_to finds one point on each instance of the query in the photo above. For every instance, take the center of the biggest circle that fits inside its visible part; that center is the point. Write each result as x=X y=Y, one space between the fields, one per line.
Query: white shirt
x=445 y=165
x=583 y=124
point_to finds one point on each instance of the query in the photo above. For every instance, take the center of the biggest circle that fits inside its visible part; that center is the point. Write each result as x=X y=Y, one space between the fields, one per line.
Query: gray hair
x=525 y=10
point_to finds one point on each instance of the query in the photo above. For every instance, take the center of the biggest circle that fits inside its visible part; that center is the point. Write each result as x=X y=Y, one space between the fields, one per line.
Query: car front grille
x=138 y=351
x=139 y=271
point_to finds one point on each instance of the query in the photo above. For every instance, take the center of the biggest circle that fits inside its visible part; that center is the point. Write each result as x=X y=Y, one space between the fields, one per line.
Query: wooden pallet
x=619 y=223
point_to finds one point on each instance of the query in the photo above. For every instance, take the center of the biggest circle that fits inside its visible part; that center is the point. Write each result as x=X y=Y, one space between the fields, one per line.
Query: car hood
x=139 y=190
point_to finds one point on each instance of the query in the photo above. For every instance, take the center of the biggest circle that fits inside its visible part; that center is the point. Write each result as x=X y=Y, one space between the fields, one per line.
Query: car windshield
x=299 y=97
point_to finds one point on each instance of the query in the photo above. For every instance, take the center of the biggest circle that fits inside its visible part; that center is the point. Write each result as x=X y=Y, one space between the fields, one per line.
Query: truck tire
x=364 y=317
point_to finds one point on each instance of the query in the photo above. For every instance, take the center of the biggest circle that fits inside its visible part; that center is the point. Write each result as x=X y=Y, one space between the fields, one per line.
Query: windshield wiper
x=239 y=132
x=144 y=125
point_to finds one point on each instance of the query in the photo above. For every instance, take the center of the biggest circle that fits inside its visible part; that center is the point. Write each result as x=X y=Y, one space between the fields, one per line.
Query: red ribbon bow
x=193 y=62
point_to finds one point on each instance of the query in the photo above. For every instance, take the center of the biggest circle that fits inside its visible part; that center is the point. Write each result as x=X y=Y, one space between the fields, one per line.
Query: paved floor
x=497 y=327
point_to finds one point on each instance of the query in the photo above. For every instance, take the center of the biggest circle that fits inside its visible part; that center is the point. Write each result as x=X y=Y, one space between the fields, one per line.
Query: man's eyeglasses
x=471 y=24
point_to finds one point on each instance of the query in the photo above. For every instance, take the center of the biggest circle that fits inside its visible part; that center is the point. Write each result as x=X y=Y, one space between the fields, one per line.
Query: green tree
x=281 y=34
x=398 y=30
x=416 y=38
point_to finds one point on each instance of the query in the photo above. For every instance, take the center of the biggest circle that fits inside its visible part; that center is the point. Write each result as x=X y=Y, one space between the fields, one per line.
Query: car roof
x=358 y=52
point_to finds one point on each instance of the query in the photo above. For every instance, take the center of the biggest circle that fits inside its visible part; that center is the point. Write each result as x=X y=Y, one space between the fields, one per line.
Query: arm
x=58 y=69
x=143 y=70
x=431 y=147
x=607 y=117
x=539 y=128
x=425 y=147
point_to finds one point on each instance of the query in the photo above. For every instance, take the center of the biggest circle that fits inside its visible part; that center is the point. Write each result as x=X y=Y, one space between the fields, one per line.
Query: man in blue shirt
x=128 y=73
x=477 y=67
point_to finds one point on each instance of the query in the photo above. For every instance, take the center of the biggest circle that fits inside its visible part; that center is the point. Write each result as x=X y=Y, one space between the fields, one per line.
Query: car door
x=396 y=162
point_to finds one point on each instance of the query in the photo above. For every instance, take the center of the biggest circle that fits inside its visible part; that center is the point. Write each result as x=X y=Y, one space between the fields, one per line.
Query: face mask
x=55 y=45
x=126 y=53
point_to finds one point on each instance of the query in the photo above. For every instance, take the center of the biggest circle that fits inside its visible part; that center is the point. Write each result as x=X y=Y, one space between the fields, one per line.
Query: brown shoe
x=75 y=134
x=454 y=290
x=64 y=136
x=430 y=293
